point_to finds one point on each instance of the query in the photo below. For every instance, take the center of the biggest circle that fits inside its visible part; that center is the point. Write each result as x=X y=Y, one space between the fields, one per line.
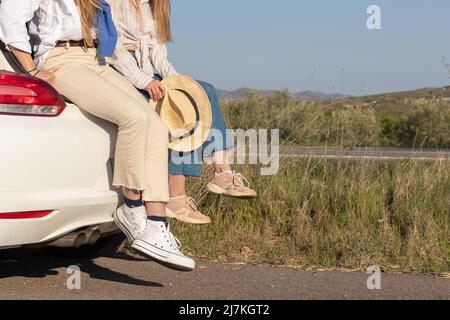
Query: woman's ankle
x=177 y=186
x=131 y=194
x=156 y=209
x=222 y=168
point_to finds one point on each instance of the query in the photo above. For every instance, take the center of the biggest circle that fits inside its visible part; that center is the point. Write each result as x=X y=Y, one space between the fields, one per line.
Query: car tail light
x=23 y=95
x=25 y=215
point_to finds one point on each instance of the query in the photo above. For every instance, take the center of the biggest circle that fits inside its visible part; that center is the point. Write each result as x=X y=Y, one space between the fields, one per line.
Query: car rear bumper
x=71 y=210
x=60 y=164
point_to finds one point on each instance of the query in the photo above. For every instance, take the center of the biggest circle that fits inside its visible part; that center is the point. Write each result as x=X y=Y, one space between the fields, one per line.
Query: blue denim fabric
x=190 y=163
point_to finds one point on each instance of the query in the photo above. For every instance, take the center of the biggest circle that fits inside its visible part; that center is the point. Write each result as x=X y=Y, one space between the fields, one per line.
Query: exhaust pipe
x=72 y=240
x=78 y=239
x=93 y=237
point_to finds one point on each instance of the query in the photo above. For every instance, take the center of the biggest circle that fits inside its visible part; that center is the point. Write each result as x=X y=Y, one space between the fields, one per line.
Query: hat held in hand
x=186 y=111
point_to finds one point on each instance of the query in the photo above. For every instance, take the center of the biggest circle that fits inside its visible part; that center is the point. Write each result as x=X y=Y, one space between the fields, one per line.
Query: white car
x=55 y=166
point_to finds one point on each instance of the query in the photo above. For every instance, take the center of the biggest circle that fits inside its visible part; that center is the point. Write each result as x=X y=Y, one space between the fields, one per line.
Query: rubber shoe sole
x=164 y=258
x=213 y=188
x=172 y=215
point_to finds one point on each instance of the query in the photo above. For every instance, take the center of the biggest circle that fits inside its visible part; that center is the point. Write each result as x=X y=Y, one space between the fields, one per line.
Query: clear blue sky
x=279 y=44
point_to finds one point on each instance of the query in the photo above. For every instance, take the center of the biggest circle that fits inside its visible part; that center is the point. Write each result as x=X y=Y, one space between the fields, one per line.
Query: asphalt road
x=387 y=154
x=42 y=274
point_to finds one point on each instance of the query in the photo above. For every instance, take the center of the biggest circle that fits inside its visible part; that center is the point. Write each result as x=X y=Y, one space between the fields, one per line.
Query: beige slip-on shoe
x=185 y=209
x=231 y=185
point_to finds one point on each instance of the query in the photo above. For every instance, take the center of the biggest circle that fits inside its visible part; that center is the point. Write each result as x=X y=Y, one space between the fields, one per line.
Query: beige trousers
x=142 y=144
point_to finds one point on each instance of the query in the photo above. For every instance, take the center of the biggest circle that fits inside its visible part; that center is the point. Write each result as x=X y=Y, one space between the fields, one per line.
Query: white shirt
x=140 y=32
x=49 y=21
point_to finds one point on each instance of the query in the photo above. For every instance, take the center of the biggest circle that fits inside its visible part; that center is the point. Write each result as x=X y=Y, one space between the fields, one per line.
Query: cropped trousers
x=141 y=151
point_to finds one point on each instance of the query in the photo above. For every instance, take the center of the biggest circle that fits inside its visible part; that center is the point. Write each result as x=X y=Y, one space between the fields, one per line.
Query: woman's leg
x=225 y=181
x=156 y=241
x=140 y=139
x=180 y=206
x=219 y=144
x=83 y=86
x=177 y=168
x=156 y=149
x=177 y=186
x=220 y=161
x=141 y=148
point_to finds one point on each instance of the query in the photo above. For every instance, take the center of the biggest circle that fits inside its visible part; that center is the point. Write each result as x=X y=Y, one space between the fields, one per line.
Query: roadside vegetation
x=364 y=122
x=335 y=214
x=319 y=214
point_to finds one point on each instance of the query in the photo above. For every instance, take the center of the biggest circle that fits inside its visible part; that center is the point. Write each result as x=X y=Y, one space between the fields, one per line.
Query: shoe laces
x=240 y=181
x=192 y=203
x=175 y=243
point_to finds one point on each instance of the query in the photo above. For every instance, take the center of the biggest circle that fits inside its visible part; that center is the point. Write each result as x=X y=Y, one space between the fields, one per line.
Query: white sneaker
x=159 y=243
x=132 y=221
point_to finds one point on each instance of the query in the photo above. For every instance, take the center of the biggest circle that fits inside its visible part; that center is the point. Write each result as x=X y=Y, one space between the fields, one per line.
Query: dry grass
x=335 y=214
x=332 y=215
x=426 y=123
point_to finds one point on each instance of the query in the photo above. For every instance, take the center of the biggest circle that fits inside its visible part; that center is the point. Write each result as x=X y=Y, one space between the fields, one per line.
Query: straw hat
x=186 y=111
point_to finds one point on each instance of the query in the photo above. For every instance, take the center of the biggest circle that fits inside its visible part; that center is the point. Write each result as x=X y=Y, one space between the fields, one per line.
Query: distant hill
x=397 y=101
x=304 y=95
x=423 y=93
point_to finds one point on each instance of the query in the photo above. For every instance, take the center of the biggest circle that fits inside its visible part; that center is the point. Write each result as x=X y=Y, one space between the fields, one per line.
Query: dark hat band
x=197 y=115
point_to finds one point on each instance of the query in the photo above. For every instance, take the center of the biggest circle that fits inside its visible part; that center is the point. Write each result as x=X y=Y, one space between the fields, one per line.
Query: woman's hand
x=156 y=90
x=47 y=75
x=29 y=66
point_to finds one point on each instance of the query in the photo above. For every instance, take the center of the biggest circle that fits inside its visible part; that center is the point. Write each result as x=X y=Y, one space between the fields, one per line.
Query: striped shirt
x=134 y=31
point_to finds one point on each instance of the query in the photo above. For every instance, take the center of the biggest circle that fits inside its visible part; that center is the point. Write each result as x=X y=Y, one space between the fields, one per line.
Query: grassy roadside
x=377 y=122
x=344 y=214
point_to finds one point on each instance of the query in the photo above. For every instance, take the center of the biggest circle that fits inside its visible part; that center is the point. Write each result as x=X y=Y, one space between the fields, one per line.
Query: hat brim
x=201 y=132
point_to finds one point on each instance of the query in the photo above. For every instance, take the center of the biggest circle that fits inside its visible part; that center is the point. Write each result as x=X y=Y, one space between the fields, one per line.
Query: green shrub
x=424 y=124
x=427 y=125
x=353 y=127
x=390 y=123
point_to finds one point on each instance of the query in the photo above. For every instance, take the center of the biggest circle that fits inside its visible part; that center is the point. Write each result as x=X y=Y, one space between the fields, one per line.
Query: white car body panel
x=61 y=164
